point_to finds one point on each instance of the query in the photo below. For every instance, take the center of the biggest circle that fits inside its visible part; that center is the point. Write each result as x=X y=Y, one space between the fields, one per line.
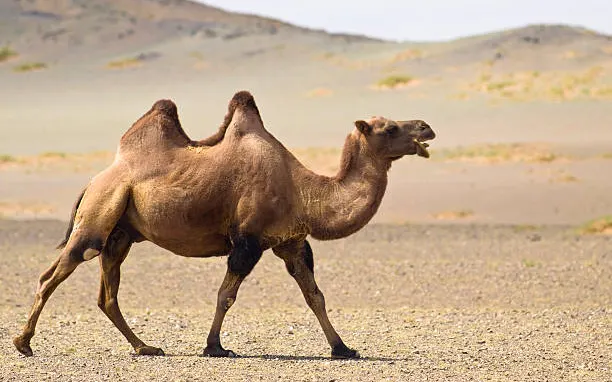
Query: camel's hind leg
x=97 y=214
x=61 y=268
x=300 y=265
x=116 y=250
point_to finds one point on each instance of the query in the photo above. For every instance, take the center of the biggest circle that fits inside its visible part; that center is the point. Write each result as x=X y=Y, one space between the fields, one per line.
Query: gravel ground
x=421 y=303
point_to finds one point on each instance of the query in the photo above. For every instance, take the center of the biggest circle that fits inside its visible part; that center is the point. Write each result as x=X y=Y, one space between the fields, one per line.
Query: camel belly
x=178 y=221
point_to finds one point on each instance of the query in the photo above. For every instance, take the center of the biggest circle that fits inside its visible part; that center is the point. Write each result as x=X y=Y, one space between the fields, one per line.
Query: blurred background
x=519 y=93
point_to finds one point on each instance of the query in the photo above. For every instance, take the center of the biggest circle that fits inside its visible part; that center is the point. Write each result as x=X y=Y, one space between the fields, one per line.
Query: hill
x=57 y=27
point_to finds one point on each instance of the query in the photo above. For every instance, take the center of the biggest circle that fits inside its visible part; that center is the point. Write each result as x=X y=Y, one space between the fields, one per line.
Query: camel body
x=236 y=193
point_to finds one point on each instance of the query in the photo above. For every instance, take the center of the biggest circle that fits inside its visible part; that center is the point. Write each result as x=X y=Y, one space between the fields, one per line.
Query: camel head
x=394 y=139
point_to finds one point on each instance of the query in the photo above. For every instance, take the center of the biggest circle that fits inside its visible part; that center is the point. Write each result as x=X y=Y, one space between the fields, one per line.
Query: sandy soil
x=438 y=303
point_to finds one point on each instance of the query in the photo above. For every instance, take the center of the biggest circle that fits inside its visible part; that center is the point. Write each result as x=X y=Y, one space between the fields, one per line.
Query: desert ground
x=420 y=302
x=491 y=260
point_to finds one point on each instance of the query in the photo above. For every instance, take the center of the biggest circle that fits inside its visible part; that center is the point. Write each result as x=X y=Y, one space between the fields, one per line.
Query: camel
x=235 y=194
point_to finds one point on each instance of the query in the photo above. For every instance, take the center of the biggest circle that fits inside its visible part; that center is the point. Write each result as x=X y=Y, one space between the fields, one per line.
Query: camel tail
x=71 y=222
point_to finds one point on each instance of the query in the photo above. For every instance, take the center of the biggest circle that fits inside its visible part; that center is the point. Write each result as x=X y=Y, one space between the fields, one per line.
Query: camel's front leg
x=300 y=265
x=245 y=253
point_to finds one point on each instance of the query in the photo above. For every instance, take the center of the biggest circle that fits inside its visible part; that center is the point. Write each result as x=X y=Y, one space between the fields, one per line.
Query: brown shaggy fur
x=237 y=193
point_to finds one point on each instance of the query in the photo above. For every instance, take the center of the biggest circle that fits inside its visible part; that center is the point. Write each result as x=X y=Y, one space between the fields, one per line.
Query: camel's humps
x=237 y=193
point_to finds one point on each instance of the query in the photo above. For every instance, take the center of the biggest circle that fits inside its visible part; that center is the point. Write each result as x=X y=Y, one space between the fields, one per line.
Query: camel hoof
x=149 y=350
x=218 y=351
x=343 y=352
x=23 y=346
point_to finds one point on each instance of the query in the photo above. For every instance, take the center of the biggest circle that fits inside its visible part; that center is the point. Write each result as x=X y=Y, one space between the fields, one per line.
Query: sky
x=427 y=20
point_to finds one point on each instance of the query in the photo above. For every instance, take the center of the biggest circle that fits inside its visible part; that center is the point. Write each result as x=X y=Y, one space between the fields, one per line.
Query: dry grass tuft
x=53 y=155
x=453 y=215
x=132 y=62
x=564 y=177
x=528 y=263
x=7 y=53
x=394 y=81
x=30 y=67
x=5 y=158
x=600 y=226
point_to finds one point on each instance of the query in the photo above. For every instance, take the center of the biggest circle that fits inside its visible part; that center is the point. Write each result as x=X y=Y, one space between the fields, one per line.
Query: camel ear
x=363 y=127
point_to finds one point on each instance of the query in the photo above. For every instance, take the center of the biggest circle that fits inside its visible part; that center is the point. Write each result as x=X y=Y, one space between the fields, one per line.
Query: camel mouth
x=421 y=148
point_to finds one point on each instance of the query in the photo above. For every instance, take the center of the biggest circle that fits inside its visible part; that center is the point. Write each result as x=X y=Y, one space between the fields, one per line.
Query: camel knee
x=42 y=280
x=226 y=303
x=43 y=293
x=315 y=299
x=245 y=255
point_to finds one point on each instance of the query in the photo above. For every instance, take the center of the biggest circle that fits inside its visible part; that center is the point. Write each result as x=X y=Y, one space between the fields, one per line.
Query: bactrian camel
x=235 y=194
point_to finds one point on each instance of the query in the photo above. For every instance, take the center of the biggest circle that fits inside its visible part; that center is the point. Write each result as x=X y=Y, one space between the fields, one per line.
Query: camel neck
x=338 y=206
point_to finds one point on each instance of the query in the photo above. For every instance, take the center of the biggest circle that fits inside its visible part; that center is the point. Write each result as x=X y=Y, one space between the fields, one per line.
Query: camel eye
x=391 y=129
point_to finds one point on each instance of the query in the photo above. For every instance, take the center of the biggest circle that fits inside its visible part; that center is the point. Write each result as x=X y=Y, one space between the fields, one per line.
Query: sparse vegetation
x=130 y=62
x=53 y=154
x=344 y=62
x=498 y=152
x=565 y=177
x=525 y=227
x=602 y=92
x=554 y=86
x=197 y=55
x=498 y=86
x=6 y=53
x=461 y=96
x=394 y=81
x=200 y=63
x=527 y=263
x=5 y=158
x=601 y=225
x=453 y=215
x=29 y=67
x=407 y=55
x=59 y=160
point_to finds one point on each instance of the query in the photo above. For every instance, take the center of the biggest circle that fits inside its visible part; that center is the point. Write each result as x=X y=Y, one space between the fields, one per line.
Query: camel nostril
x=423 y=125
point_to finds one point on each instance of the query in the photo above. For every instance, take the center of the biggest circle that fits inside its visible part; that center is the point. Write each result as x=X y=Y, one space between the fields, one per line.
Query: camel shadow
x=278 y=357
x=319 y=358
